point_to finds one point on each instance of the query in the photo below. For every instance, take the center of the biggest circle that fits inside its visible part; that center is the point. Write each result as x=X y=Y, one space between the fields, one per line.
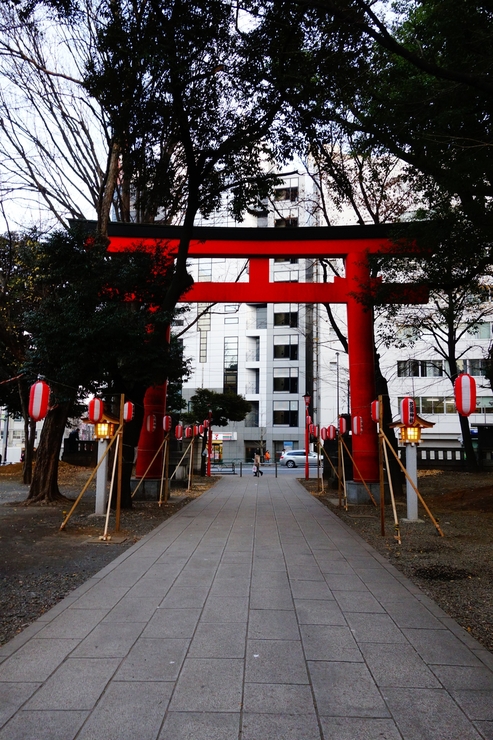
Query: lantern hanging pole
x=320 y=486
x=104 y=537
x=190 y=467
x=62 y=526
x=425 y=506
x=357 y=470
x=391 y=488
x=164 y=472
x=380 y=467
x=119 y=467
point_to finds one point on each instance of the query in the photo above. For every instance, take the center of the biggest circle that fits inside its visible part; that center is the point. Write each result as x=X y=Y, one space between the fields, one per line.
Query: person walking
x=267 y=457
x=257 y=464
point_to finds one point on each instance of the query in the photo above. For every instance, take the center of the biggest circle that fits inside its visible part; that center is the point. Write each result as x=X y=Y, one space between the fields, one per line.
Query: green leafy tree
x=225 y=407
x=97 y=328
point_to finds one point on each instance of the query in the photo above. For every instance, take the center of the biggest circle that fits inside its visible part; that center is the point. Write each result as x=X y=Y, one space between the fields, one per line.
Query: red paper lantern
x=201 y=428
x=323 y=434
x=375 y=411
x=408 y=411
x=312 y=428
x=128 y=411
x=342 y=425
x=151 y=423
x=95 y=410
x=357 y=425
x=206 y=424
x=465 y=394
x=39 y=397
x=331 y=432
x=167 y=423
x=196 y=431
x=178 y=431
x=188 y=433
x=308 y=420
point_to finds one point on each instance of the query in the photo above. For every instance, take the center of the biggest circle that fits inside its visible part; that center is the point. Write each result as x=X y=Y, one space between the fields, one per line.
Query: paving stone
x=430 y=714
x=275 y=661
x=313 y=611
x=398 y=666
x=76 y=685
x=36 y=660
x=274 y=727
x=43 y=725
x=225 y=609
x=265 y=698
x=353 y=728
x=358 y=601
x=273 y=624
x=346 y=690
x=376 y=628
x=440 y=647
x=311 y=590
x=172 y=623
x=209 y=685
x=109 y=640
x=329 y=642
x=201 y=726
x=13 y=696
x=129 y=710
x=153 y=660
x=219 y=640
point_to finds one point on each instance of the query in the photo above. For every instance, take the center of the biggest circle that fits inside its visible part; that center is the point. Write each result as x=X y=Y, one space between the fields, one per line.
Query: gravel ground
x=40 y=565
x=455 y=570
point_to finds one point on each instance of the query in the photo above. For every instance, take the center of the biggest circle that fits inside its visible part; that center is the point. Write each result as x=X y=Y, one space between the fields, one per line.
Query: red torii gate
x=353 y=244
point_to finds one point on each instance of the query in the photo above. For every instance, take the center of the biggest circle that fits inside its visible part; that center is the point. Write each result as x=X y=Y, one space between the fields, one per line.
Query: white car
x=297 y=459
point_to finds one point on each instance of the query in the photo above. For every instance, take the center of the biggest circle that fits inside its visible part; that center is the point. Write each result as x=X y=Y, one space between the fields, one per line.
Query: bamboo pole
x=425 y=506
x=119 y=467
x=330 y=463
x=391 y=487
x=380 y=467
x=148 y=468
x=163 y=470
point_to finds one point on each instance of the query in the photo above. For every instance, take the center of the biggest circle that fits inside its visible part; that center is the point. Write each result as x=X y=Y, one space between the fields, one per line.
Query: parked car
x=297 y=459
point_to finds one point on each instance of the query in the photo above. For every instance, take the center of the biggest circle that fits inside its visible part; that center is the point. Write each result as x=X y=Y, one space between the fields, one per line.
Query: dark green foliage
x=225 y=407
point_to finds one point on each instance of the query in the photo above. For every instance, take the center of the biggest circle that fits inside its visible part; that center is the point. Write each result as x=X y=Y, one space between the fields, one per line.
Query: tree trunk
x=131 y=433
x=471 y=459
x=44 y=487
x=29 y=432
x=383 y=391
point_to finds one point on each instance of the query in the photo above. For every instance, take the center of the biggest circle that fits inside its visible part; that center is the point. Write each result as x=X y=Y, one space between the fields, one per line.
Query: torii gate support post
x=361 y=368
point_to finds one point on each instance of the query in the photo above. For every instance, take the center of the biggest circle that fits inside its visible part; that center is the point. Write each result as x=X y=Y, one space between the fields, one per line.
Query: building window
x=420 y=369
x=232 y=320
x=286 y=347
x=286 y=318
x=286 y=380
x=285 y=413
x=230 y=384
x=261 y=317
x=286 y=223
x=481 y=331
x=291 y=260
x=251 y=419
x=289 y=193
x=477 y=367
x=253 y=352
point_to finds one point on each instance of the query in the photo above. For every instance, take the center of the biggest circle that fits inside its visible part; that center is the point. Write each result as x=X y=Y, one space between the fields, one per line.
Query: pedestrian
x=254 y=470
x=257 y=464
x=267 y=457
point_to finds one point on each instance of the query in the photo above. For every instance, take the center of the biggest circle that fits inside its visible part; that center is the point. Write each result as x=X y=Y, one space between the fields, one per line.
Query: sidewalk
x=253 y=613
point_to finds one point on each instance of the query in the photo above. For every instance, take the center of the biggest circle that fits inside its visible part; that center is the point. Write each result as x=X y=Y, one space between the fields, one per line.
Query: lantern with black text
x=95 y=410
x=39 y=397
x=408 y=411
x=465 y=394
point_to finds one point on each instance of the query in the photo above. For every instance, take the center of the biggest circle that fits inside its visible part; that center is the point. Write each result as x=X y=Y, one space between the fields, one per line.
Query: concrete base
x=357 y=493
x=412 y=521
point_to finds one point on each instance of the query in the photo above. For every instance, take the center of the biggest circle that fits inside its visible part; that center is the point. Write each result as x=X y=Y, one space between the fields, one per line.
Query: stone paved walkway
x=254 y=613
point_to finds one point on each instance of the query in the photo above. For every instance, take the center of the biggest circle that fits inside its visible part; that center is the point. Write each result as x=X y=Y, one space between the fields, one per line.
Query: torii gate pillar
x=361 y=355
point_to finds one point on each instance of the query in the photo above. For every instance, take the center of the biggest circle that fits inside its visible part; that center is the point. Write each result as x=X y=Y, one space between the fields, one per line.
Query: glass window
x=261 y=317
x=285 y=380
x=476 y=367
x=285 y=413
x=431 y=368
x=408 y=369
x=286 y=223
x=484 y=405
x=286 y=318
x=286 y=347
